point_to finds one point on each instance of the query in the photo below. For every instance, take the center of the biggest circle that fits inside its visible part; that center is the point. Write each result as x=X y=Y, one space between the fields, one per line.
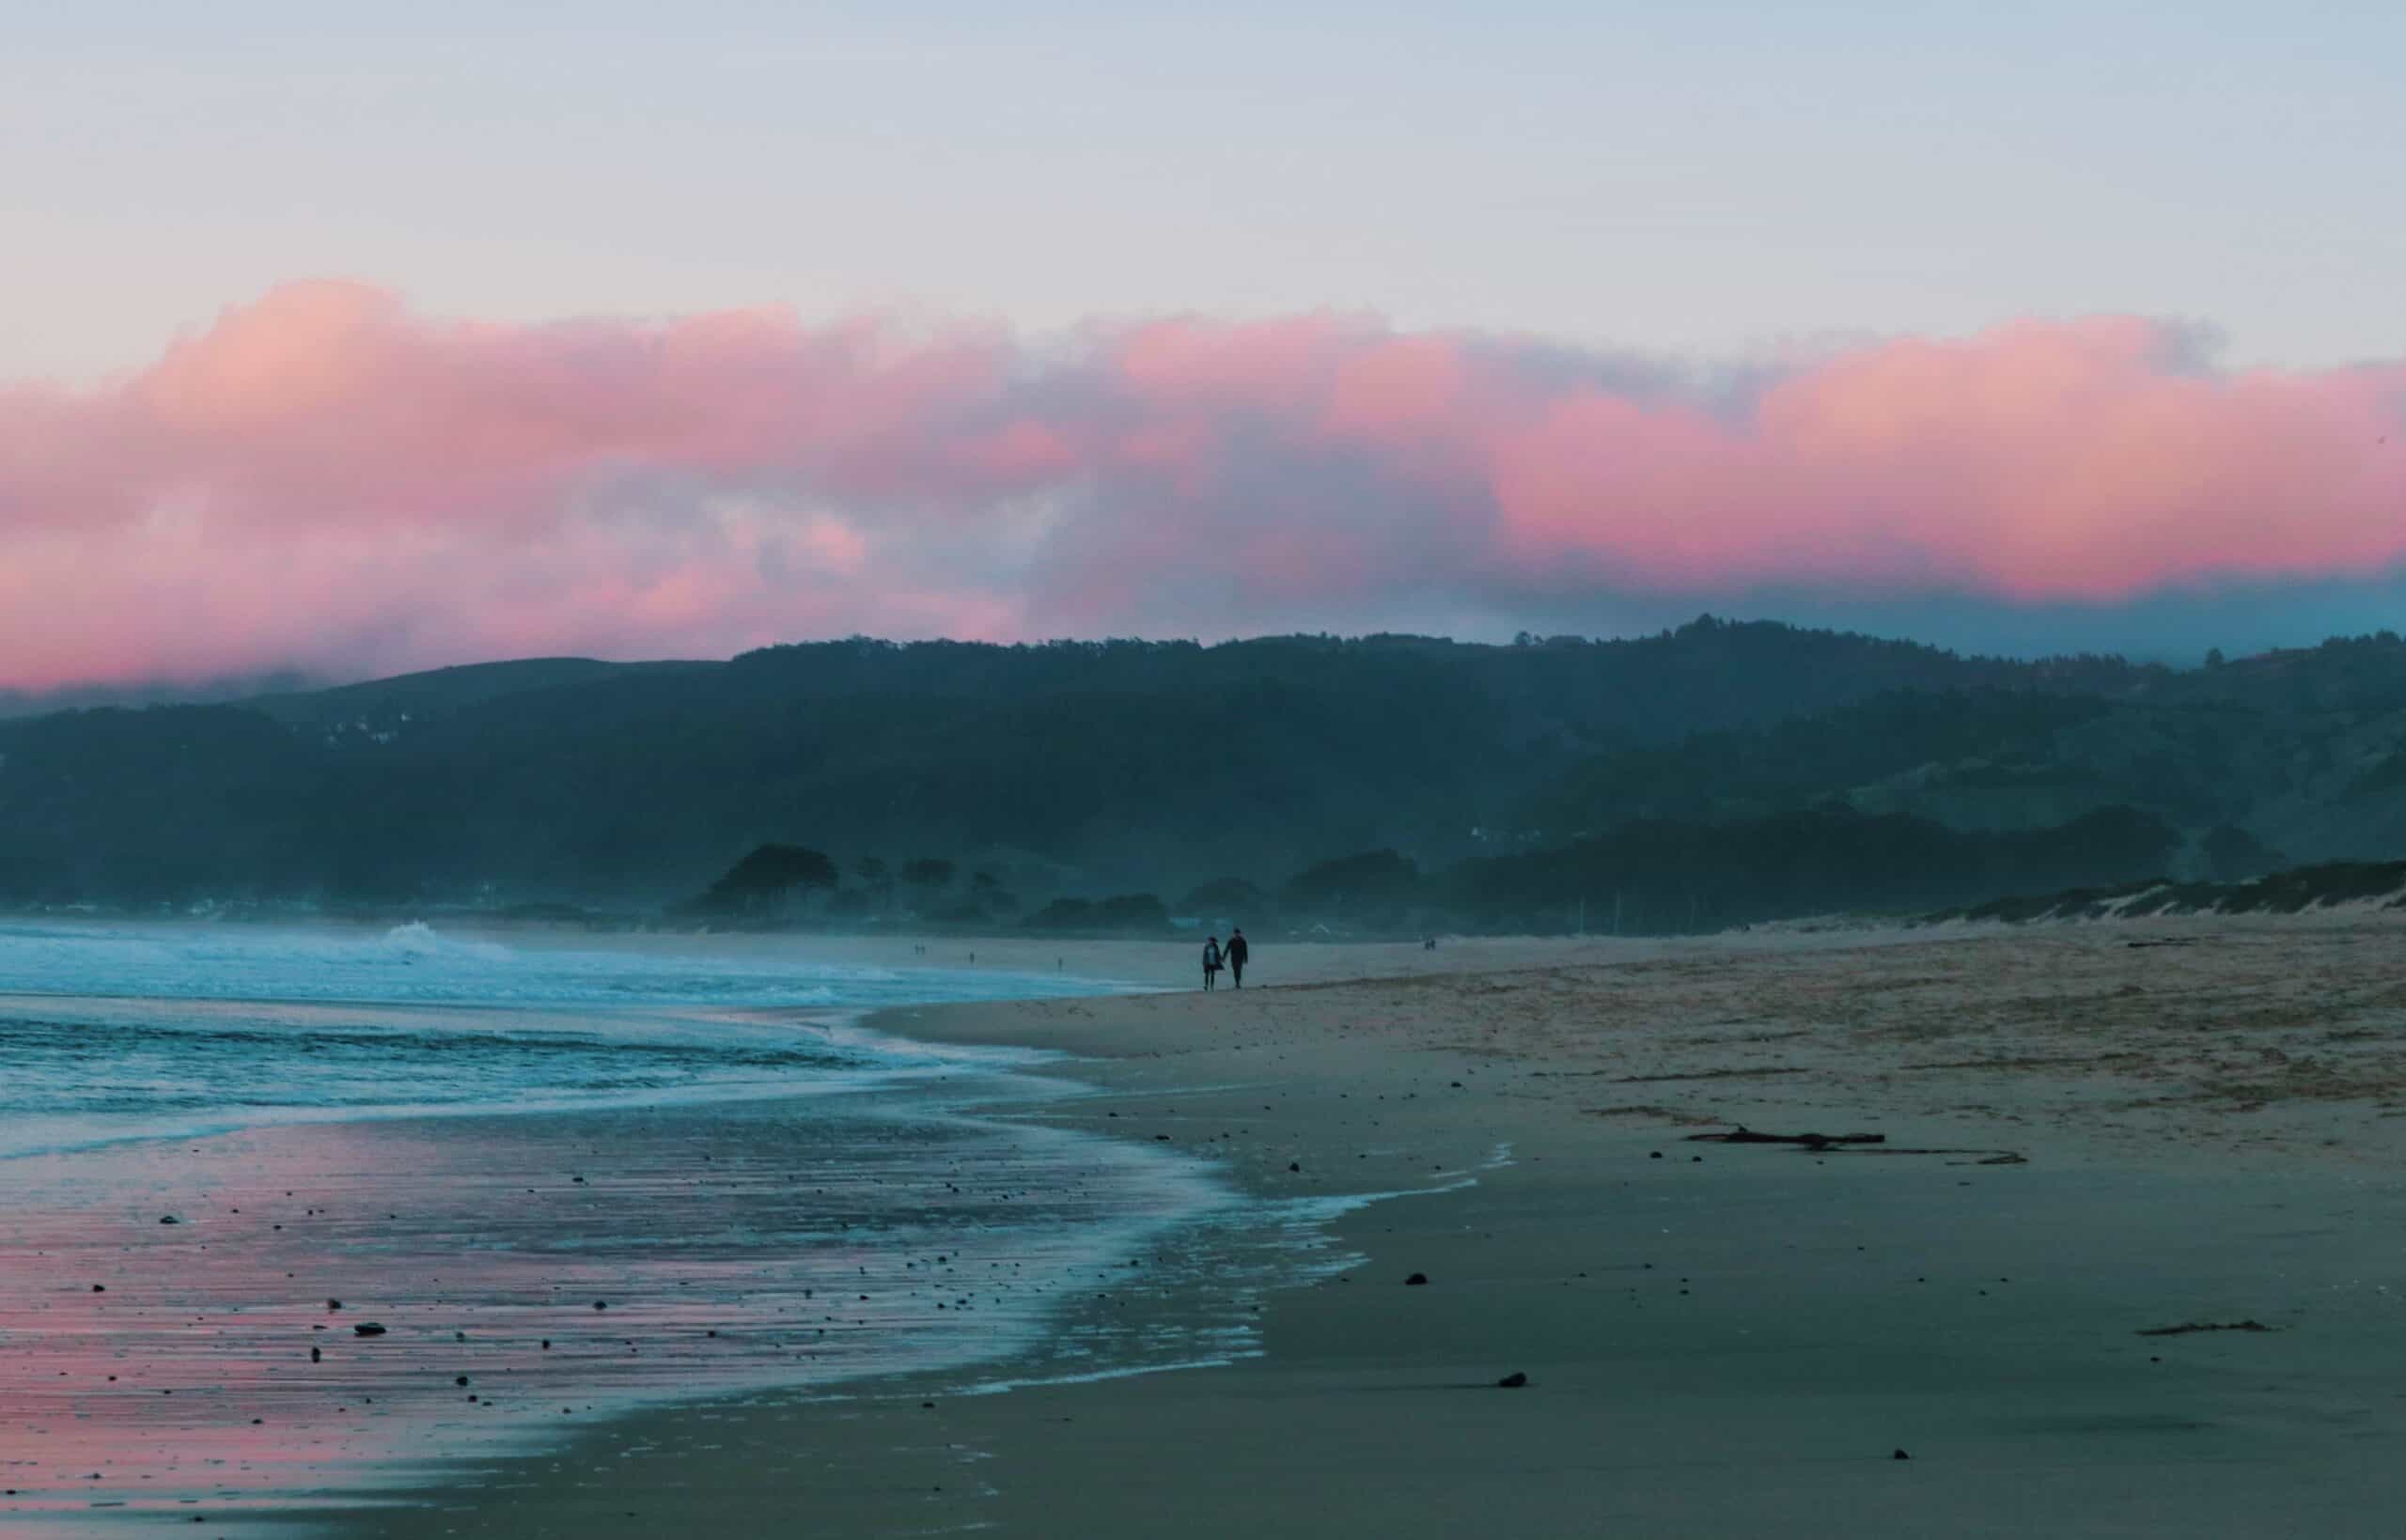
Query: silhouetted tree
x=768 y=879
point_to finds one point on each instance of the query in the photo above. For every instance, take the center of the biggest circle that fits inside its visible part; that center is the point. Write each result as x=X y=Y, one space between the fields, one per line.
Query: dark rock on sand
x=369 y=1329
x=1900 y=1455
x=2187 y=1327
x=1416 y=1280
x=1512 y=1381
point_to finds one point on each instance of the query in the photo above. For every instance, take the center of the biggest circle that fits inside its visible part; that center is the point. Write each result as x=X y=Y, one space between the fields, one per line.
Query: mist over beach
x=1173 y=770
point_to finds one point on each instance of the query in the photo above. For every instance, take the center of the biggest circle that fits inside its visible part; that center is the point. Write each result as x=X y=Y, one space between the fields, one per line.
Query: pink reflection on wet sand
x=525 y=1270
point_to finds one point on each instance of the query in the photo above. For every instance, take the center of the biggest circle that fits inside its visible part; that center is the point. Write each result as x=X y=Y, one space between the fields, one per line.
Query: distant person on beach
x=1211 y=963
x=1238 y=952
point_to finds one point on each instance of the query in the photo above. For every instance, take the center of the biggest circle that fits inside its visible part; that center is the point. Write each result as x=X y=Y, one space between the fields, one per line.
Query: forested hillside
x=1673 y=770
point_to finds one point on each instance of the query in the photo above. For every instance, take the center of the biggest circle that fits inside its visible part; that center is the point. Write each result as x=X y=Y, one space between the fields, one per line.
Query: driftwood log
x=1743 y=1135
x=1842 y=1143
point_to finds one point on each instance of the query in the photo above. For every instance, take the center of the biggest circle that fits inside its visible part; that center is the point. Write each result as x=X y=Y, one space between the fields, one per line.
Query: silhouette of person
x=1211 y=963
x=1236 y=953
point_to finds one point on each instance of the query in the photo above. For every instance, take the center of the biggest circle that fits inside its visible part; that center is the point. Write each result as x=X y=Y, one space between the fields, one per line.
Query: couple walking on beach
x=1230 y=956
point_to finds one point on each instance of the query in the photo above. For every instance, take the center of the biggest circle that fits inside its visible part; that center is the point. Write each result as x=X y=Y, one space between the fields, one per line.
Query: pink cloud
x=326 y=480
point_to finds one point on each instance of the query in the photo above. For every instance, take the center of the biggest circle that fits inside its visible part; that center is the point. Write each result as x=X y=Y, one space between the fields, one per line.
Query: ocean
x=130 y=1032
x=558 y=1177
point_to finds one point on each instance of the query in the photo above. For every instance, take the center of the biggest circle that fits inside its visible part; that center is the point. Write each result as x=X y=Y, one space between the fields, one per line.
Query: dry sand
x=1718 y=1339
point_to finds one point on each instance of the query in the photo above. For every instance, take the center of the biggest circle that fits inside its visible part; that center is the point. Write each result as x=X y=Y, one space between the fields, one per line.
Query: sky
x=352 y=339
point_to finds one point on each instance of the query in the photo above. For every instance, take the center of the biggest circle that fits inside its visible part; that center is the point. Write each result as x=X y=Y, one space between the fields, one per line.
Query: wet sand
x=1717 y=1338
x=209 y=1331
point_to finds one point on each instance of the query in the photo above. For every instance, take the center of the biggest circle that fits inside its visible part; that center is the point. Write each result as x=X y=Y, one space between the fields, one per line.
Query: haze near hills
x=1720 y=773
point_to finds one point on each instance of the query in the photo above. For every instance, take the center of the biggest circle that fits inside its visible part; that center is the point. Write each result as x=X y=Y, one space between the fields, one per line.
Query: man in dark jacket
x=1235 y=953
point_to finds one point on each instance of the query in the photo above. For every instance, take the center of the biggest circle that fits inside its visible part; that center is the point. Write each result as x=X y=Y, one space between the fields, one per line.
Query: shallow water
x=648 y=1161
x=111 y=1033
x=735 y=1247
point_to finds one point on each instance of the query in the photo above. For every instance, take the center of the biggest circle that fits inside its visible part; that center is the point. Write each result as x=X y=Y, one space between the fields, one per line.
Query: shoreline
x=1720 y=1339
x=187 y=1380
x=178 y=1325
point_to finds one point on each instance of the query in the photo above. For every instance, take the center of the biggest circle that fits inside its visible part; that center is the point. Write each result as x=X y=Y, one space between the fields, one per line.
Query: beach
x=291 y=1213
x=2126 y=1263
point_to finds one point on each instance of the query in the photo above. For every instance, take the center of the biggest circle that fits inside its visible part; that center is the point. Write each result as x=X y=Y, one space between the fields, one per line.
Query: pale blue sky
x=1710 y=178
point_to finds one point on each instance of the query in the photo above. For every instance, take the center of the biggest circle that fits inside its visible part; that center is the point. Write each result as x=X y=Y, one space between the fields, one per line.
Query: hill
x=1094 y=769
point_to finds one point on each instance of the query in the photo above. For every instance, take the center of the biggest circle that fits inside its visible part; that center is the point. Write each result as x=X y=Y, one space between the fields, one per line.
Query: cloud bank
x=326 y=480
